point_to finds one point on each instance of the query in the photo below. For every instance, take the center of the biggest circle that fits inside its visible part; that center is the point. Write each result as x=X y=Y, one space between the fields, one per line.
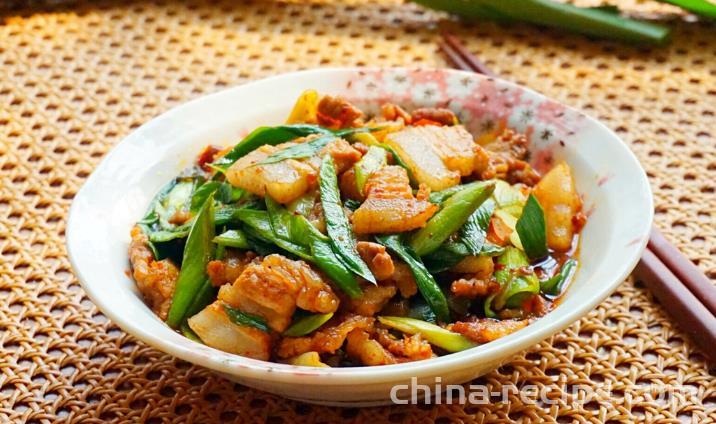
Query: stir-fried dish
x=341 y=239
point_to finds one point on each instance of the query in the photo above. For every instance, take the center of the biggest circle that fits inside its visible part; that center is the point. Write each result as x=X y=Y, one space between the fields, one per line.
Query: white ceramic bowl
x=614 y=186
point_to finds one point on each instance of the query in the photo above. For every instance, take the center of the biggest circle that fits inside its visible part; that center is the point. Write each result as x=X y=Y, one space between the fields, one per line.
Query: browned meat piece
x=326 y=340
x=423 y=193
x=362 y=148
x=509 y=144
x=397 y=307
x=274 y=287
x=536 y=305
x=434 y=115
x=342 y=152
x=395 y=113
x=485 y=330
x=361 y=347
x=227 y=270
x=180 y=217
x=316 y=295
x=392 y=112
x=378 y=260
x=214 y=328
x=497 y=167
x=482 y=161
x=349 y=186
x=390 y=206
x=404 y=279
x=504 y=159
x=372 y=299
x=412 y=348
x=481 y=266
x=521 y=172
x=337 y=112
x=155 y=279
x=473 y=287
x=512 y=170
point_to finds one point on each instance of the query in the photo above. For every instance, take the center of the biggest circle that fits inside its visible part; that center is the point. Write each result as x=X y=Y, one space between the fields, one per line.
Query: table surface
x=76 y=78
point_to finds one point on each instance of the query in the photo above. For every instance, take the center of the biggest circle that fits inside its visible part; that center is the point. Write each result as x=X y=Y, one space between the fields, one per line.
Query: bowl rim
x=278 y=372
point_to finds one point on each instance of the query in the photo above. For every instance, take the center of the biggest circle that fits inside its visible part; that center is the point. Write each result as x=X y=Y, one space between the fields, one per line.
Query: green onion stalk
x=597 y=22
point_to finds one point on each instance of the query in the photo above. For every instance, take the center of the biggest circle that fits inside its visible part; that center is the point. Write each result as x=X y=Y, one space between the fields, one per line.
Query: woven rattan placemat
x=76 y=78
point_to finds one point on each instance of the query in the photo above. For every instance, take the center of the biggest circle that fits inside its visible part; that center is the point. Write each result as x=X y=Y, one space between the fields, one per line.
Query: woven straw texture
x=76 y=78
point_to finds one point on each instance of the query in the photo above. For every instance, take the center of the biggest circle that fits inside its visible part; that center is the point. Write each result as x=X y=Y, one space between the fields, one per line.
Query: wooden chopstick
x=454 y=57
x=674 y=280
x=473 y=63
x=684 y=269
x=678 y=301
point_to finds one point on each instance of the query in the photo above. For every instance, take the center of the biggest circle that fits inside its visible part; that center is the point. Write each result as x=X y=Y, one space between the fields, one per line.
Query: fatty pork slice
x=361 y=347
x=437 y=156
x=484 y=330
x=409 y=348
x=327 y=339
x=216 y=330
x=390 y=206
x=454 y=145
x=289 y=179
x=274 y=287
x=284 y=181
x=155 y=279
x=373 y=299
x=228 y=269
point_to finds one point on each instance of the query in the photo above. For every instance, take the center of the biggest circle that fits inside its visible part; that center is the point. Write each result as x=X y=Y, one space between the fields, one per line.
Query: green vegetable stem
x=515 y=279
x=307 y=325
x=305 y=242
x=427 y=285
x=532 y=229
x=232 y=238
x=197 y=253
x=258 y=223
x=556 y=284
x=455 y=212
x=434 y=334
x=325 y=258
x=471 y=240
x=266 y=135
x=699 y=7
x=241 y=318
x=598 y=22
x=374 y=159
x=299 y=151
x=339 y=229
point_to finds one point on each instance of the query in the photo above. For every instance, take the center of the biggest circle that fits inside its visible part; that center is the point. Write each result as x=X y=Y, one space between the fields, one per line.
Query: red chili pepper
x=207 y=156
x=498 y=232
x=425 y=121
x=328 y=121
